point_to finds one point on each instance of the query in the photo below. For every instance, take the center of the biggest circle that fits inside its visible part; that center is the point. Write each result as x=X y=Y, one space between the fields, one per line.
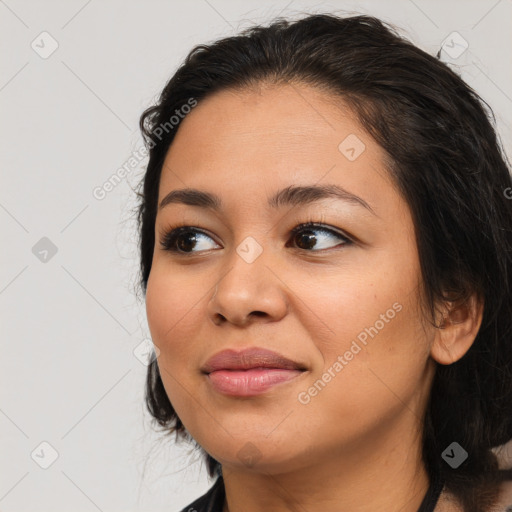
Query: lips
x=250 y=372
x=249 y=358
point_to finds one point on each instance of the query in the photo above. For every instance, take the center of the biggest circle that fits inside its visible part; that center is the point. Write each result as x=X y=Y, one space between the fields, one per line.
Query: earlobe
x=457 y=330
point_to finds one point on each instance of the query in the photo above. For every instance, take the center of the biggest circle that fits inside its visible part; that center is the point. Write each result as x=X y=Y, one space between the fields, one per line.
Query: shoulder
x=211 y=501
x=448 y=503
x=504 y=503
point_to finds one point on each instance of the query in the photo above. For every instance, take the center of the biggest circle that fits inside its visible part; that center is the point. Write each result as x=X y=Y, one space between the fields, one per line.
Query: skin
x=356 y=445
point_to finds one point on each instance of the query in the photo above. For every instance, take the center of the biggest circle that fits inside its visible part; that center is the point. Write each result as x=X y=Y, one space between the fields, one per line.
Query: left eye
x=185 y=238
x=304 y=234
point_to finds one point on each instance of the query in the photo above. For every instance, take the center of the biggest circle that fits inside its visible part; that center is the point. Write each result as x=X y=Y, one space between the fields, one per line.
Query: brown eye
x=311 y=237
x=305 y=237
x=305 y=240
x=183 y=240
x=186 y=241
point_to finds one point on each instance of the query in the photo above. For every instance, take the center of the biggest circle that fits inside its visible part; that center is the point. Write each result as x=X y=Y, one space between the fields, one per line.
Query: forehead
x=263 y=139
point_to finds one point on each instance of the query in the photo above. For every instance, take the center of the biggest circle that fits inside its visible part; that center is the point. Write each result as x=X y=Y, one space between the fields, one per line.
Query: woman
x=326 y=256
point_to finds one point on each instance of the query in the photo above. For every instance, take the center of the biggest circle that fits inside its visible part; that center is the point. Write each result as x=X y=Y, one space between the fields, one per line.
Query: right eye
x=183 y=239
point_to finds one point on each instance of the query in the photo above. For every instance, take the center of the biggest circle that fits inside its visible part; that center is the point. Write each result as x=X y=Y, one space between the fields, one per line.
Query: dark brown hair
x=446 y=161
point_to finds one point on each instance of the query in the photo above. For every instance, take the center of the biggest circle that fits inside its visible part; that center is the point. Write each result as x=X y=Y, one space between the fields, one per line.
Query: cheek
x=369 y=387
x=372 y=320
x=172 y=308
x=384 y=355
x=167 y=301
x=346 y=305
x=172 y=321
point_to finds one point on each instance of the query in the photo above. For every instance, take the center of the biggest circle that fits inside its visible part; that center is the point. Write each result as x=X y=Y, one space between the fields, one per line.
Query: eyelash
x=170 y=235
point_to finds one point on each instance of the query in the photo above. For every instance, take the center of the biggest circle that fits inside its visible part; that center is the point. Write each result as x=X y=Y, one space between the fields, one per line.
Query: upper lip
x=249 y=358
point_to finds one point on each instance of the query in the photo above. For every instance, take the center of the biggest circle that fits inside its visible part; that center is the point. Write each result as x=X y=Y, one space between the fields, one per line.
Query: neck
x=386 y=474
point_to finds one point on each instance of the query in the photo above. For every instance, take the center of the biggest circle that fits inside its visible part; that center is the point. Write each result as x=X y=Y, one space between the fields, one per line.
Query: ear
x=457 y=331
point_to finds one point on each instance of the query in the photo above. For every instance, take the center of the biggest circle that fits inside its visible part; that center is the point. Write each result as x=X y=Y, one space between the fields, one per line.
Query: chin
x=261 y=456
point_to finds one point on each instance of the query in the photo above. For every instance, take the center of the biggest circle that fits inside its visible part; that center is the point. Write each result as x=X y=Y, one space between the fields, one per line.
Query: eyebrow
x=290 y=196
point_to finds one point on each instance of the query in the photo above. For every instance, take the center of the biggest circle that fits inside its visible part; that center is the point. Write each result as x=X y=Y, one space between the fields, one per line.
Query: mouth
x=249 y=372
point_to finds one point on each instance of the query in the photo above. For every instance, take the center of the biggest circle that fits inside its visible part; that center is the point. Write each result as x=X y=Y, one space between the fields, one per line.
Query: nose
x=248 y=291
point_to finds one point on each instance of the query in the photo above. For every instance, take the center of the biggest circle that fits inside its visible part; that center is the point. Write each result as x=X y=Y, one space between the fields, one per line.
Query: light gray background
x=71 y=323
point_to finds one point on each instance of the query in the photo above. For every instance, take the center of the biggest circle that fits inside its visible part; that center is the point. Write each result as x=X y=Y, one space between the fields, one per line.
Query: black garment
x=213 y=500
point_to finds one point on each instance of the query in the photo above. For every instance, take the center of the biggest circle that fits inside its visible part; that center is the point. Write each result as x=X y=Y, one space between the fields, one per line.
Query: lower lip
x=249 y=382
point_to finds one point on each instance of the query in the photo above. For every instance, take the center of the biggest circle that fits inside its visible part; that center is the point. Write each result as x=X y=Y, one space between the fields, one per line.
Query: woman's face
x=340 y=299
